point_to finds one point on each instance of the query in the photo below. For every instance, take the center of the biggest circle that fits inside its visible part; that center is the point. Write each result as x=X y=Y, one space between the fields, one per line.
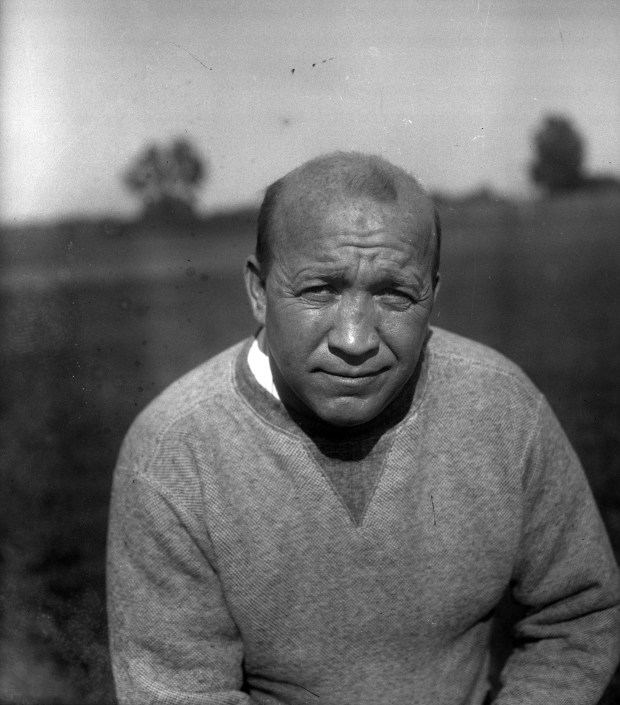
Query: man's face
x=346 y=305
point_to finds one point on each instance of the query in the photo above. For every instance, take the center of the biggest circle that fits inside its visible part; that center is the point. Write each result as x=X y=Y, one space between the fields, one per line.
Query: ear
x=255 y=288
x=436 y=289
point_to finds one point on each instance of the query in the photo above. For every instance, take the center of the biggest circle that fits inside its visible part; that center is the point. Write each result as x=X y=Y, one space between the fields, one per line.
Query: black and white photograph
x=309 y=352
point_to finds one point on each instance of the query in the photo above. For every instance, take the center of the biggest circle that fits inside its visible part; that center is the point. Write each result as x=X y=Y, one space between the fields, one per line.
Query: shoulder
x=451 y=352
x=463 y=367
x=179 y=419
x=483 y=406
x=203 y=386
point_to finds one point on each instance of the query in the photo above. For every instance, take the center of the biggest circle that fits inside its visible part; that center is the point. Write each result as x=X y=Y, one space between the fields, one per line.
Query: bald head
x=337 y=178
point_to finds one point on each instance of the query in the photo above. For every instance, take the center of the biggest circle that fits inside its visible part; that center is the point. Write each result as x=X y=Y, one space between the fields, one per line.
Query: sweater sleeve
x=172 y=639
x=567 y=579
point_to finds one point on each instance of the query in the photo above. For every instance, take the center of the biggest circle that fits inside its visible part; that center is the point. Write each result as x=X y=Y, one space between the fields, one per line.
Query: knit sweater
x=255 y=557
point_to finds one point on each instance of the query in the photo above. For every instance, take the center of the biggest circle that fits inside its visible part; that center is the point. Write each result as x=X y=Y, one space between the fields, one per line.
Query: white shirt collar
x=259 y=364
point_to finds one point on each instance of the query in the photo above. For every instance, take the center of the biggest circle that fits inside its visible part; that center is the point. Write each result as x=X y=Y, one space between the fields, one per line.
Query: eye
x=322 y=293
x=396 y=298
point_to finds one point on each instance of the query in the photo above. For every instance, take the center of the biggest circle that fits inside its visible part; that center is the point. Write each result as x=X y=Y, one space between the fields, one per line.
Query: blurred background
x=136 y=141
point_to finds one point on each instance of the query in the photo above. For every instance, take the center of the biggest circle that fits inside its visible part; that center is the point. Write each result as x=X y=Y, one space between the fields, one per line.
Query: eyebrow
x=384 y=277
x=415 y=285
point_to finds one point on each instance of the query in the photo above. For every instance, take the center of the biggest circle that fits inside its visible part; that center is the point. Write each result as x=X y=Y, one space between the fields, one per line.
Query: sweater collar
x=274 y=412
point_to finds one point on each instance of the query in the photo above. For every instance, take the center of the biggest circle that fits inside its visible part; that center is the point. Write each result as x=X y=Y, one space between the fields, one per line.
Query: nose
x=353 y=335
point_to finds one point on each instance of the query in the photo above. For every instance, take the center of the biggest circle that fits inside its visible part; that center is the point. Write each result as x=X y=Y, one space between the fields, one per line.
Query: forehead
x=312 y=225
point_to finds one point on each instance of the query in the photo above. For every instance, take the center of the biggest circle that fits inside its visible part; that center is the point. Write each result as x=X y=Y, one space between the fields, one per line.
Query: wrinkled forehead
x=304 y=215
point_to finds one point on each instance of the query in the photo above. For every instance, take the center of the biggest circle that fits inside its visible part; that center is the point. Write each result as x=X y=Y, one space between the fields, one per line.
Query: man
x=331 y=512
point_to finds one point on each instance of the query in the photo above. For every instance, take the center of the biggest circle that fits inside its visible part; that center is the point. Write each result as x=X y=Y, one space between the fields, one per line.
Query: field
x=96 y=322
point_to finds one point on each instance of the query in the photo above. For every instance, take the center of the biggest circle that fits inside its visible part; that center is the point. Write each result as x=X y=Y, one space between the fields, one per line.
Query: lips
x=352 y=374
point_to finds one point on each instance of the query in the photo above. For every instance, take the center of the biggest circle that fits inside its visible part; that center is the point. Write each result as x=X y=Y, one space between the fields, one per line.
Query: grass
x=95 y=326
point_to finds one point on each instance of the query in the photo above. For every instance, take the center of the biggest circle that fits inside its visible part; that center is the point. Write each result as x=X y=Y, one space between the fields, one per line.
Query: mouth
x=352 y=376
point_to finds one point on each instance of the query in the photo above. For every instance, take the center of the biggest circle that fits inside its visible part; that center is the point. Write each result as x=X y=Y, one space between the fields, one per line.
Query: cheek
x=294 y=331
x=405 y=333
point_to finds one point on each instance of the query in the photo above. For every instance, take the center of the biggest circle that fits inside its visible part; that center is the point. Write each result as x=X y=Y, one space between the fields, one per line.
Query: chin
x=347 y=414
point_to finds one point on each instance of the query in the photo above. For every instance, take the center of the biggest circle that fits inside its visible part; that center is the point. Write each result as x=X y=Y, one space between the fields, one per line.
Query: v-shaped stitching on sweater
x=315 y=456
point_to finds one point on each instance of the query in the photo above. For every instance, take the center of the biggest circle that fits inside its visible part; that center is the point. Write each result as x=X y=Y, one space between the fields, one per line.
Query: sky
x=450 y=90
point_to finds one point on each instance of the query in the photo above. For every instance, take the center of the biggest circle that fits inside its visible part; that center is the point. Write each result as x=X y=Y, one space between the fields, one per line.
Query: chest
x=430 y=556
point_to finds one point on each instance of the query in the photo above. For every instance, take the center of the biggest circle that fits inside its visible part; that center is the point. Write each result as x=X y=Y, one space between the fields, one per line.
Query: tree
x=166 y=179
x=558 y=165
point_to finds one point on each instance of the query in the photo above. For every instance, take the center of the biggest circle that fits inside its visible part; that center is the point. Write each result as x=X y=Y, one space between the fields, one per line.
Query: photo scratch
x=324 y=61
x=486 y=19
x=309 y=691
x=193 y=56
